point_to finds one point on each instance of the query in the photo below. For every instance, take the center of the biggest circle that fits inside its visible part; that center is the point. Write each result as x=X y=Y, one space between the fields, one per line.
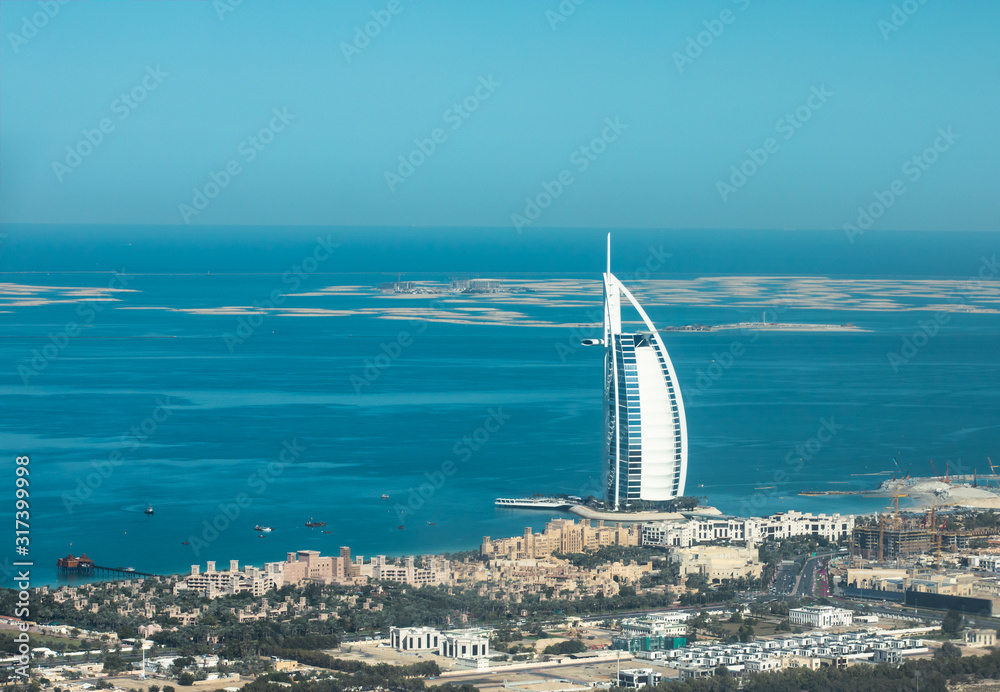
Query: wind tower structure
x=645 y=430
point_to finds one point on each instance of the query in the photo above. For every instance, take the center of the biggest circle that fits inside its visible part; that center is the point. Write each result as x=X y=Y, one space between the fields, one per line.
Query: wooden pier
x=86 y=566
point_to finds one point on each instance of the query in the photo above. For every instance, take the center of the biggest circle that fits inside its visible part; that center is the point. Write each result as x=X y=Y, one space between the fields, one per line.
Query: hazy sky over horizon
x=437 y=113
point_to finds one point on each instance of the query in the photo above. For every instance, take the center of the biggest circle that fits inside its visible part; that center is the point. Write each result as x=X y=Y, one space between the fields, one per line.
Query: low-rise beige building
x=549 y=578
x=436 y=572
x=560 y=536
x=717 y=562
x=980 y=637
x=306 y=566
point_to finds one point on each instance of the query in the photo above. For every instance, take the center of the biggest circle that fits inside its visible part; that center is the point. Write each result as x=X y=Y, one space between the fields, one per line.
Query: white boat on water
x=533 y=502
x=263 y=529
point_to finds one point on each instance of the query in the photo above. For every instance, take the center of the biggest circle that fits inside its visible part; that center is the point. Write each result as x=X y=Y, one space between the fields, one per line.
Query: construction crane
x=894 y=507
x=935 y=538
x=899 y=469
x=944 y=478
x=881 y=537
x=993 y=468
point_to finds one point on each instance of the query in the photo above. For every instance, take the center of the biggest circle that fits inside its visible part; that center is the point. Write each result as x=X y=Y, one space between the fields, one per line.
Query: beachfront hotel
x=645 y=429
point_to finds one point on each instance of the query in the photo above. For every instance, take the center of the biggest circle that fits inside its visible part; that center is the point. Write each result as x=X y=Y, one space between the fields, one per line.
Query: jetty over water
x=86 y=566
x=534 y=502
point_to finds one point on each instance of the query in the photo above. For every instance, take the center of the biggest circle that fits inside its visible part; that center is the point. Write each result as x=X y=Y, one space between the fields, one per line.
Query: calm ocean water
x=149 y=403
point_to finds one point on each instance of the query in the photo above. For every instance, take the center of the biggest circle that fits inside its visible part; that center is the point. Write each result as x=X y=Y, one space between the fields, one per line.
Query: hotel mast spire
x=645 y=428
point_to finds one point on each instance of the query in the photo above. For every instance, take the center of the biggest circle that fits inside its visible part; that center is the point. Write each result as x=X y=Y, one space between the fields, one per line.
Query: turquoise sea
x=235 y=377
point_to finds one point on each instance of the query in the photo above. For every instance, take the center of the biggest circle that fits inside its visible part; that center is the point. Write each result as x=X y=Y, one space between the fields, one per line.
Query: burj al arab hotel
x=644 y=426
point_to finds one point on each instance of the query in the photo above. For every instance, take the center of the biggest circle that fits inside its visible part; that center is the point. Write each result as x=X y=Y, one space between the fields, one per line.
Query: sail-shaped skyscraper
x=645 y=429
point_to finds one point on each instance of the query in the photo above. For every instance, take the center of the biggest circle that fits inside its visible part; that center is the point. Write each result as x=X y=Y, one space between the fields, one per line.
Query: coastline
x=920 y=494
x=924 y=493
x=633 y=517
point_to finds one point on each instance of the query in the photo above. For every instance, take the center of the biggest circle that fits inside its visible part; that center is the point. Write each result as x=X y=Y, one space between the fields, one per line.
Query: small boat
x=431 y=523
x=400 y=527
x=129 y=569
x=314 y=524
x=185 y=542
x=327 y=532
x=149 y=509
x=263 y=529
x=385 y=496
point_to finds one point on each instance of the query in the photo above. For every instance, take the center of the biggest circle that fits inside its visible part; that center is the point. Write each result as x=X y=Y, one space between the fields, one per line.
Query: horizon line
x=595 y=229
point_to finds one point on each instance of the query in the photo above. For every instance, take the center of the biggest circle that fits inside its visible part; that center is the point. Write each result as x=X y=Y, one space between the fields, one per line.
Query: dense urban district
x=703 y=602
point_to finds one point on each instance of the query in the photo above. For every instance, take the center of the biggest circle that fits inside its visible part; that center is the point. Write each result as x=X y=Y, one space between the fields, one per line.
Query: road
x=785 y=579
x=805 y=584
x=935 y=616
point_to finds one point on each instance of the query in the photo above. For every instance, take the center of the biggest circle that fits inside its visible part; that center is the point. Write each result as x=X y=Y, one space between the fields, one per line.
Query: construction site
x=935 y=523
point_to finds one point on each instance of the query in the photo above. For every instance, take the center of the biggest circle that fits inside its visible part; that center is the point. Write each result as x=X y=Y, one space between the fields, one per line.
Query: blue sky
x=867 y=91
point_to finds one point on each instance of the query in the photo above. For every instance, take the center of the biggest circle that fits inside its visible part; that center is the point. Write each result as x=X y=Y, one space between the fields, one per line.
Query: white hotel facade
x=467 y=644
x=645 y=428
x=832 y=527
x=820 y=617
